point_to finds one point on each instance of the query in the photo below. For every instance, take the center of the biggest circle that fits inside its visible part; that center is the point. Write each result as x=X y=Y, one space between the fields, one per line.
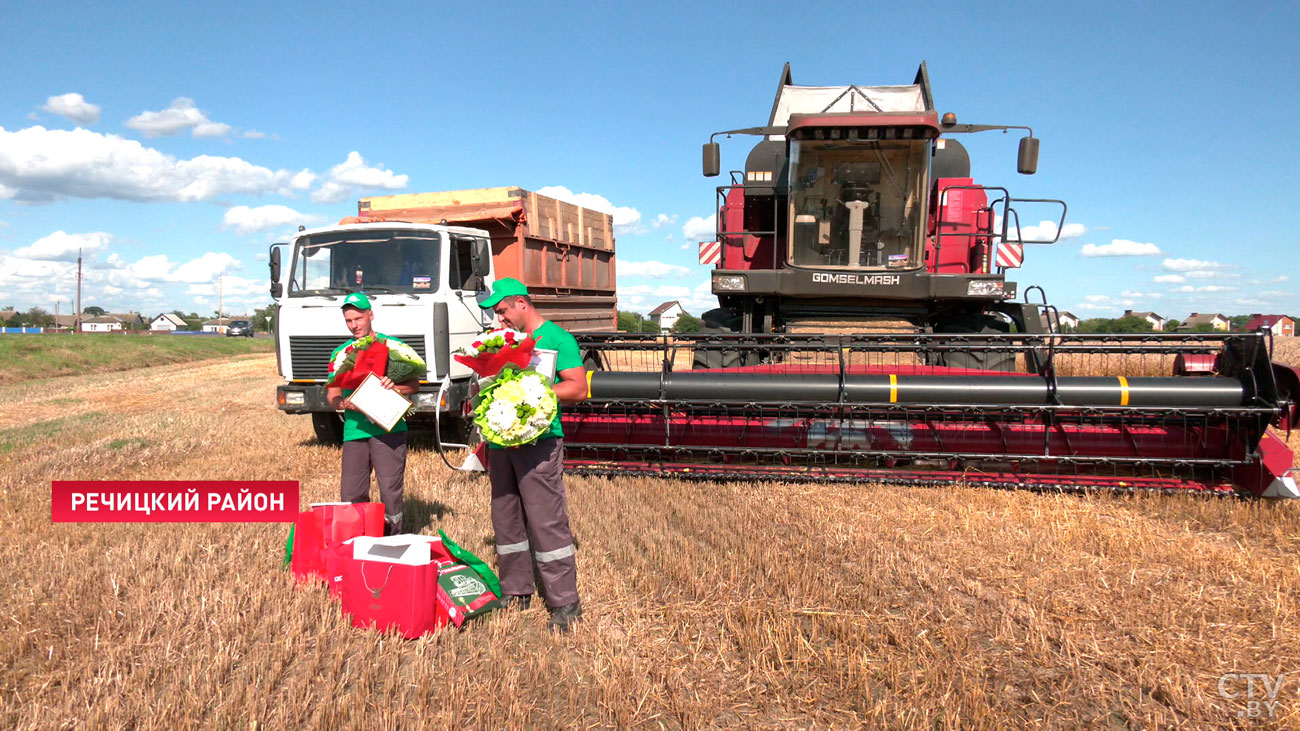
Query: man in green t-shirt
x=528 y=481
x=365 y=444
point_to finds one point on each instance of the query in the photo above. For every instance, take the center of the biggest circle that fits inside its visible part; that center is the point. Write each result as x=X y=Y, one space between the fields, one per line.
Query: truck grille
x=310 y=354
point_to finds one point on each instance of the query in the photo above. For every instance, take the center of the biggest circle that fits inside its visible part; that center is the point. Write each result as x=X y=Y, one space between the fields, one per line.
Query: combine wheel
x=329 y=428
x=976 y=360
x=722 y=322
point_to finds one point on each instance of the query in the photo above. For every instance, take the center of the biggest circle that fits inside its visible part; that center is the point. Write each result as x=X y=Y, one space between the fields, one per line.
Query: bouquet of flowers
x=374 y=355
x=493 y=349
x=514 y=405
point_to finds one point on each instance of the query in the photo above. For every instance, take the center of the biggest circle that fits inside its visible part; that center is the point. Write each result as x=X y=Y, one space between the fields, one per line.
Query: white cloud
x=353 y=174
x=302 y=180
x=1046 y=231
x=1187 y=265
x=205 y=268
x=253 y=134
x=38 y=165
x=247 y=220
x=232 y=288
x=651 y=269
x=157 y=268
x=662 y=220
x=1169 y=279
x=1120 y=247
x=627 y=220
x=180 y=116
x=700 y=229
x=74 y=107
x=1283 y=278
x=207 y=130
x=1205 y=288
x=60 y=246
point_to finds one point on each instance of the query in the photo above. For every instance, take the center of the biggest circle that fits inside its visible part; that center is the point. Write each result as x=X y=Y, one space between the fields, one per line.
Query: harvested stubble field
x=709 y=605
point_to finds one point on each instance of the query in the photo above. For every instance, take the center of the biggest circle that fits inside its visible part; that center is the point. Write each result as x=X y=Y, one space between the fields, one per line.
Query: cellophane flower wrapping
x=404 y=363
x=352 y=364
x=495 y=349
x=515 y=407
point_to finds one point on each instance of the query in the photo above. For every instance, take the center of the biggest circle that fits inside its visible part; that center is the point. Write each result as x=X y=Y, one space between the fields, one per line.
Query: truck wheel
x=976 y=359
x=328 y=427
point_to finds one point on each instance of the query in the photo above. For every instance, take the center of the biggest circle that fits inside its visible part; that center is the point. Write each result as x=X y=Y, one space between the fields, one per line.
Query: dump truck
x=425 y=261
x=858 y=207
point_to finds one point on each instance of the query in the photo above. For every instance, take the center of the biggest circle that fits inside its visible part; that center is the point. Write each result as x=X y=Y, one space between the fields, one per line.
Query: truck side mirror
x=1027 y=161
x=482 y=258
x=277 y=289
x=712 y=159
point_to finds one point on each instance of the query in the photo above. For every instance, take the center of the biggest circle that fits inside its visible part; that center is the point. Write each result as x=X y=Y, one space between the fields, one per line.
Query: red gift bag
x=325 y=526
x=392 y=584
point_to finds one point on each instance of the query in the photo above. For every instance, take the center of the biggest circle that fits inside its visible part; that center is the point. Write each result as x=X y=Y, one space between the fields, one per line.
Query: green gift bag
x=482 y=569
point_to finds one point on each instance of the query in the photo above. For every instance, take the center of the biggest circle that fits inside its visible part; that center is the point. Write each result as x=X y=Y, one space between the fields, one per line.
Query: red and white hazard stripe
x=1010 y=255
x=710 y=252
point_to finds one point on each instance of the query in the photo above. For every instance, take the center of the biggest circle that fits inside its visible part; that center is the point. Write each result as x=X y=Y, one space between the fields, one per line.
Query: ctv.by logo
x=1259 y=691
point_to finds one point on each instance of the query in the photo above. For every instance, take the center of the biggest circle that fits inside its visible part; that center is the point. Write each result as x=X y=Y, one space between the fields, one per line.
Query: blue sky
x=174 y=143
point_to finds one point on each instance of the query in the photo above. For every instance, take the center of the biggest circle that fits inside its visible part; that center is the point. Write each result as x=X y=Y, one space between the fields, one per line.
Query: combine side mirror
x=712 y=160
x=1027 y=161
x=276 y=288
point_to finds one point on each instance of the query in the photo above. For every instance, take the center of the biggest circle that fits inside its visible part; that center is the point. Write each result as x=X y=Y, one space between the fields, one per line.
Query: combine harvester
x=857 y=209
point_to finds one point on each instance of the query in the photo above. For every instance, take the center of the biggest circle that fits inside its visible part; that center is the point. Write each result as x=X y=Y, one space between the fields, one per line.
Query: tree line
x=633 y=322
x=1135 y=324
x=40 y=317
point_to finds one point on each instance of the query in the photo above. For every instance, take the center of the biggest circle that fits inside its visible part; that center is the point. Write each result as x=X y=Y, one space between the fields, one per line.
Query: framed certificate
x=383 y=406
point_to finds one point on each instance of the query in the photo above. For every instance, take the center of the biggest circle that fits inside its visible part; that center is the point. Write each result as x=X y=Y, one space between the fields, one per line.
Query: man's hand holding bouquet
x=380 y=356
x=515 y=404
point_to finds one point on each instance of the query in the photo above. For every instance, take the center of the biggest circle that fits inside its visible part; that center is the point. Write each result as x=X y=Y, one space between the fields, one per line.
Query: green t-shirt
x=355 y=423
x=550 y=336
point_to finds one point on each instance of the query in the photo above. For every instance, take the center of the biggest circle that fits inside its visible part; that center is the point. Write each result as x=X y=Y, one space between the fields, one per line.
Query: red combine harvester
x=857 y=209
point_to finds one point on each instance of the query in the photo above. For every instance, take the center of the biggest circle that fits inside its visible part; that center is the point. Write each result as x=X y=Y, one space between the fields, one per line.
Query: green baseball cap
x=358 y=300
x=505 y=287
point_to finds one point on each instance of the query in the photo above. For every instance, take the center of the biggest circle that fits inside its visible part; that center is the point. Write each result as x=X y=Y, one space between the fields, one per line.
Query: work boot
x=516 y=601
x=563 y=618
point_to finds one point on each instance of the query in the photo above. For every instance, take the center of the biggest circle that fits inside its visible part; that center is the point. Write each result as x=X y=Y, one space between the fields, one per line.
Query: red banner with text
x=173 y=501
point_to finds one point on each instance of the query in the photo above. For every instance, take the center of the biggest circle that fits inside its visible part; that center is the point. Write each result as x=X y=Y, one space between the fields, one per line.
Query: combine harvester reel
x=1097 y=412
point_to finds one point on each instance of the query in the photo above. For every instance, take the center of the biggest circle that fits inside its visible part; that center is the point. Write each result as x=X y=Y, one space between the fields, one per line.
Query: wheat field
x=761 y=605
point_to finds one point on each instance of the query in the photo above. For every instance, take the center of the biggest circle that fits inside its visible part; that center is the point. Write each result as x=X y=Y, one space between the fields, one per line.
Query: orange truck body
x=564 y=253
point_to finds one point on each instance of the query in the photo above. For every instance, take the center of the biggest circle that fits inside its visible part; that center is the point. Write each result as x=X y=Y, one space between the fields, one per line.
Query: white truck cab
x=424 y=281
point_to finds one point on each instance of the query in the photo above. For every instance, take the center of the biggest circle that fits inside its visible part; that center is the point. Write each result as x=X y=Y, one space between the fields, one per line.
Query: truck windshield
x=857 y=204
x=350 y=261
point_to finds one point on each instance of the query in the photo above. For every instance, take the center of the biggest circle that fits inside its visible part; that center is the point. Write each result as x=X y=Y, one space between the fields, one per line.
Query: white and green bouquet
x=515 y=405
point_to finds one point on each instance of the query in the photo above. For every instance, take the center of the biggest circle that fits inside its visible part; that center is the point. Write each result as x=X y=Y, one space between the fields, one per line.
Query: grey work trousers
x=528 y=498
x=386 y=454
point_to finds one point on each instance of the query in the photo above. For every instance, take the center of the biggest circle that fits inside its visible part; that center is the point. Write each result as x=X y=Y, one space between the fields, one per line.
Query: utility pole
x=218 y=303
x=76 y=324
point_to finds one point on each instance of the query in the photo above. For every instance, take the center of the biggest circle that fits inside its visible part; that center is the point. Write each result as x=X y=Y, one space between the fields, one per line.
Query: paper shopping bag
x=325 y=526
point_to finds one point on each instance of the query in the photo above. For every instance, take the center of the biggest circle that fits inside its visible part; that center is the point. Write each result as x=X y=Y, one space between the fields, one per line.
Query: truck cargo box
x=564 y=253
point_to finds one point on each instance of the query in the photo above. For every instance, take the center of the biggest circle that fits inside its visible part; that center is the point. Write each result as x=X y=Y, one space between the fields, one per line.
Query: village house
x=1157 y=322
x=101 y=324
x=1281 y=325
x=1215 y=320
x=666 y=315
x=1066 y=321
x=167 y=322
x=218 y=325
